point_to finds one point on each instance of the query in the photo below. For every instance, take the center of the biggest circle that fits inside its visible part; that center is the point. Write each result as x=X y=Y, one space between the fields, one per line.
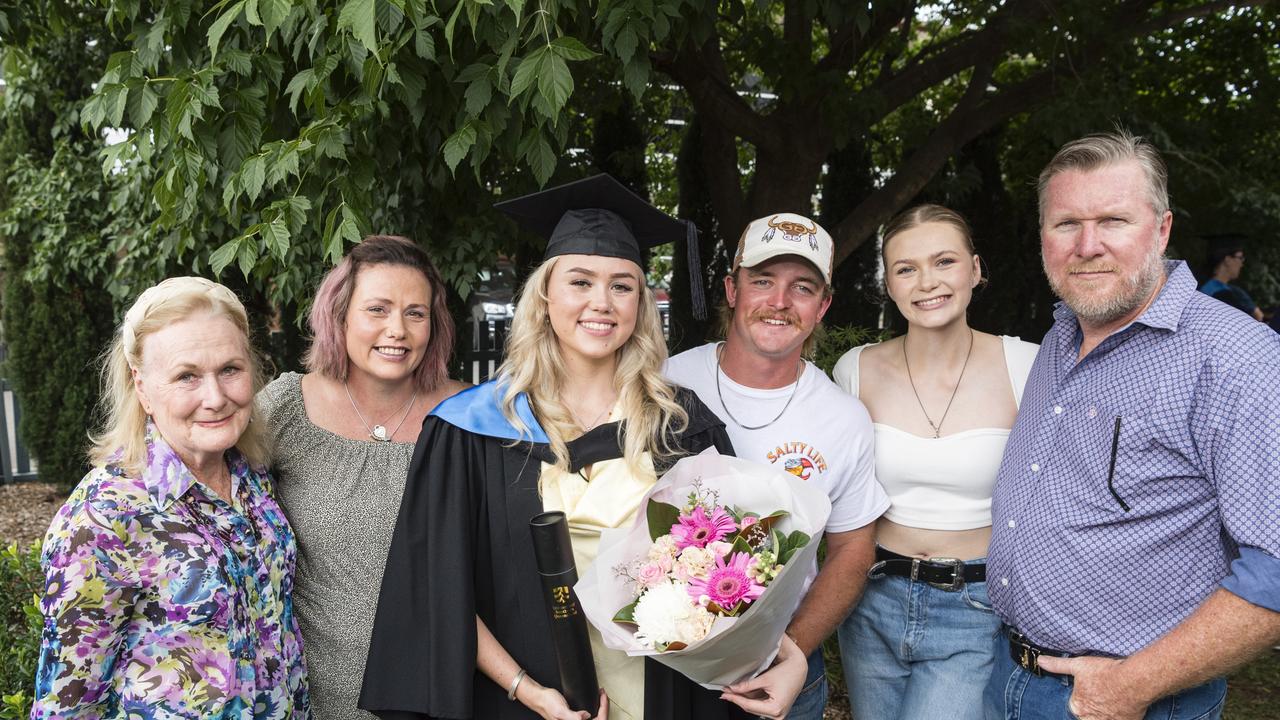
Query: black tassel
x=696 y=297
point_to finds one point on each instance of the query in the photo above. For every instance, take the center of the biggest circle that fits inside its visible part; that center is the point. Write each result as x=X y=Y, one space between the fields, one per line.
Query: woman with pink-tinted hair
x=343 y=435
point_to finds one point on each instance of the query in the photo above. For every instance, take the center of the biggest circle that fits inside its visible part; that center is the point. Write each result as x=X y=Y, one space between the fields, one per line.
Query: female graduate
x=579 y=420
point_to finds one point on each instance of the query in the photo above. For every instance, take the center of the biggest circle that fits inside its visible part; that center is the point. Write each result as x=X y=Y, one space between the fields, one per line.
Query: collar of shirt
x=1164 y=313
x=167 y=477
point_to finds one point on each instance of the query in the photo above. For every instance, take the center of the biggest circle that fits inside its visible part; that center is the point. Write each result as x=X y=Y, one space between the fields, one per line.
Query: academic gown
x=462 y=548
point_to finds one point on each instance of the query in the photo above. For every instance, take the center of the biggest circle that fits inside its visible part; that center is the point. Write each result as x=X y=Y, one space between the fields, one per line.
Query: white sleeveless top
x=941 y=483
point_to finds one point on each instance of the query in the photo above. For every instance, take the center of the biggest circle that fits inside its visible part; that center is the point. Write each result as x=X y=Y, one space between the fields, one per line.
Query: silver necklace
x=937 y=429
x=379 y=432
x=795 y=386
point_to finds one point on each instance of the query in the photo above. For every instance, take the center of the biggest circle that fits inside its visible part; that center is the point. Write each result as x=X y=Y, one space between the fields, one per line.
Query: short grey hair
x=1092 y=152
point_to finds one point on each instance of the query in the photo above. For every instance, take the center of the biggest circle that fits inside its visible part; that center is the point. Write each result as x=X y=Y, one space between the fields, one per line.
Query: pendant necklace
x=379 y=432
x=720 y=394
x=588 y=428
x=937 y=429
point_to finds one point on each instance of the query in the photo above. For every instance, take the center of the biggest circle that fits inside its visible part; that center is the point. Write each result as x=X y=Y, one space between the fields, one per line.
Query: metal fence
x=16 y=462
x=481 y=360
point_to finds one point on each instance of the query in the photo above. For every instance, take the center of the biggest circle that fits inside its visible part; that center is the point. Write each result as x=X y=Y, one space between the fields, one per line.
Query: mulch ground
x=25 y=511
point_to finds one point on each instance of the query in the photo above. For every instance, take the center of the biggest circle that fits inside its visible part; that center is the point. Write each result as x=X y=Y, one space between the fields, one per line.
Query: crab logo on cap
x=792 y=231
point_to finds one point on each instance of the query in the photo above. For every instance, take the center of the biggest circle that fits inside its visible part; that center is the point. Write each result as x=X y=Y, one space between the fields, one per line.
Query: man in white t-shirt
x=783 y=411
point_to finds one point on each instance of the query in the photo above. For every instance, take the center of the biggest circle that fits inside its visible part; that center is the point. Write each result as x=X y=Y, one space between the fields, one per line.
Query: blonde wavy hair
x=122 y=438
x=535 y=366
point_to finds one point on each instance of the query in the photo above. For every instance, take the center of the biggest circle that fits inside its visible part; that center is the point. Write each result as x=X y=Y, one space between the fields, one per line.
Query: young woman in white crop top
x=942 y=397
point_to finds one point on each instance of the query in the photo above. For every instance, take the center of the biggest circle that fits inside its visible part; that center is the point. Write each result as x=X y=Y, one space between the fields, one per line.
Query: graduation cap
x=600 y=216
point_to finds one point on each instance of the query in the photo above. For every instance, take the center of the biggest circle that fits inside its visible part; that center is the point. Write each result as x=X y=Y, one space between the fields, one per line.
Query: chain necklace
x=379 y=432
x=937 y=429
x=588 y=428
x=794 y=387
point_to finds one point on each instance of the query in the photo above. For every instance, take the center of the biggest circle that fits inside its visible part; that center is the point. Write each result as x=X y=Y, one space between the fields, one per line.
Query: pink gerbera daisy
x=727 y=584
x=697 y=529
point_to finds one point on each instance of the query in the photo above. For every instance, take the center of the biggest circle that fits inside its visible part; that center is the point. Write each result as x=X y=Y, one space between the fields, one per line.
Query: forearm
x=836 y=589
x=1221 y=635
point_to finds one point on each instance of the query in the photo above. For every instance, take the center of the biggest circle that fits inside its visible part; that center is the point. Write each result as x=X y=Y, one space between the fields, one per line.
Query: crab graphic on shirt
x=798 y=458
x=792 y=231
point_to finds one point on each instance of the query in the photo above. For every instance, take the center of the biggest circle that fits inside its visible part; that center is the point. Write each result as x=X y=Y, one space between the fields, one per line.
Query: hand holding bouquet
x=708 y=576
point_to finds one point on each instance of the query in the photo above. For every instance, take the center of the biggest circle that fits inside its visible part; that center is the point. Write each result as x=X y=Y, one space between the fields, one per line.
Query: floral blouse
x=164 y=601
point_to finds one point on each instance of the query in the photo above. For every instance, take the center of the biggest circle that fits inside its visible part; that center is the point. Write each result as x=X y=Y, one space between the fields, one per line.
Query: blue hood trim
x=479 y=410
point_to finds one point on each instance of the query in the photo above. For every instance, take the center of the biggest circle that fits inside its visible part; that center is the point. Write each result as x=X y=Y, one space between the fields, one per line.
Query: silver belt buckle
x=957 y=573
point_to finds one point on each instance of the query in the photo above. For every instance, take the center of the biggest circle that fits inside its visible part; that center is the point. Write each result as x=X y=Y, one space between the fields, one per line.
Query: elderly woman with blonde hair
x=169 y=570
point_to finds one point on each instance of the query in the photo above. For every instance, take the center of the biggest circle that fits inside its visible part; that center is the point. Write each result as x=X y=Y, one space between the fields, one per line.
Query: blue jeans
x=1015 y=694
x=912 y=651
x=812 y=700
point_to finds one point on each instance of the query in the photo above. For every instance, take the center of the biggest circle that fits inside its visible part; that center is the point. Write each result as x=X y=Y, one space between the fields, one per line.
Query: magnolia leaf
x=742 y=545
x=571 y=48
x=222 y=257
x=220 y=26
x=555 y=83
x=456 y=147
x=661 y=516
x=672 y=647
x=360 y=17
x=627 y=614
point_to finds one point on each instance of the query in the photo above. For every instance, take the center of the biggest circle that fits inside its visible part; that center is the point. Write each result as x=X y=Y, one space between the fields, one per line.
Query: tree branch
x=702 y=74
x=1175 y=17
x=847 y=49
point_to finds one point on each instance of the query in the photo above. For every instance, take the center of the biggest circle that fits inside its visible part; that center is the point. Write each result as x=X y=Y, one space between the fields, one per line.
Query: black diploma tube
x=554 y=555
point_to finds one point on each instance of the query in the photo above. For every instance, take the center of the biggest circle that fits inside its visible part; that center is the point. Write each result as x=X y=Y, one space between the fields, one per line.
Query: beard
x=1098 y=308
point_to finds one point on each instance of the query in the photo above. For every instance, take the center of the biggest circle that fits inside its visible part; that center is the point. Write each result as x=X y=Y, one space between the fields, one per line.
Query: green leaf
x=349 y=228
x=449 y=26
x=660 y=516
x=478 y=95
x=517 y=7
x=251 y=13
x=111 y=155
x=627 y=614
x=625 y=44
x=360 y=17
x=220 y=26
x=555 y=82
x=571 y=49
x=224 y=256
x=285 y=165
x=118 y=101
x=276 y=236
x=247 y=256
x=527 y=72
x=238 y=61
x=741 y=545
x=252 y=175
x=542 y=161
x=274 y=13
x=456 y=147
x=635 y=75
x=142 y=103
x=300 y=82
x=424 y=45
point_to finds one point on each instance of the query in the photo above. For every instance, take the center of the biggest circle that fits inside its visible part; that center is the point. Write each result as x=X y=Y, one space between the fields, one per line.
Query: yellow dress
x=608 y=500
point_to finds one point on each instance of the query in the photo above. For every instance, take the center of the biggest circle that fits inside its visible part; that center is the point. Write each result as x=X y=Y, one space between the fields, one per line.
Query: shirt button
x=1035 y=467
x=1057 y=409
x=1013 y=524
x=1004 y=582
x=1093 y=412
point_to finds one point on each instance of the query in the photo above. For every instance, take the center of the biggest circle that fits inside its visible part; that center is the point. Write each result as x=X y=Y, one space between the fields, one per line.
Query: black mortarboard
x=600 y=216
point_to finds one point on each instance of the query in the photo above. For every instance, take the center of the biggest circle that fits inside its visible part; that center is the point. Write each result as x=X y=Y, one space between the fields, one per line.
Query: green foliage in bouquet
x=20 y=582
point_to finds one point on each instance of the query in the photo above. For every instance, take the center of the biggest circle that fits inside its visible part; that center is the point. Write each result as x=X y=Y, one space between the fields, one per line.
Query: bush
x=838 y=340
x=21 y=581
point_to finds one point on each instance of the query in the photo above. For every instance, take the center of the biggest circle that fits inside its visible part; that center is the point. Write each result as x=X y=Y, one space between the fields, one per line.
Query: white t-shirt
x=824 y=436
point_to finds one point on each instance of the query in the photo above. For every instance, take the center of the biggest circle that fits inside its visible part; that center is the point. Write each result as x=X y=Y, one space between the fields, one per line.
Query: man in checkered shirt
x=1136 y=517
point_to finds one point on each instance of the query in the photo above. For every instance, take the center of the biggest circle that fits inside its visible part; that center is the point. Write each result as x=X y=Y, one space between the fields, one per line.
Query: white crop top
x=941 y=483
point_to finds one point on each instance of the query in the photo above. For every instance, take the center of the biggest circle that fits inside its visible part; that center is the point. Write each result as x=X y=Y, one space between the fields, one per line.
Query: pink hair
x=328 y=352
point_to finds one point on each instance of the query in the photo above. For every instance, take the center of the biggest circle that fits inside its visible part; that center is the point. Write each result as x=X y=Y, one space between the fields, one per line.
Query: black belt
x=1027 y=654
x=943 y=573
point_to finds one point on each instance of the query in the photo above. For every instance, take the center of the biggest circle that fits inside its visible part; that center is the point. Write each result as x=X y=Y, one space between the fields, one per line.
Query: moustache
x=761 y=315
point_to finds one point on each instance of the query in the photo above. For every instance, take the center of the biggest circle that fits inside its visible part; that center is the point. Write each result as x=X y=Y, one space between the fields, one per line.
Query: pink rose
x=720 y=549
x=651 y=574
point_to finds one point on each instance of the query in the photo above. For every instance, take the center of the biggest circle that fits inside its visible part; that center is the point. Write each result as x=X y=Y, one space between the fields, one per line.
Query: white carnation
x=666 y=615
x=663 y=547
x=696 y=561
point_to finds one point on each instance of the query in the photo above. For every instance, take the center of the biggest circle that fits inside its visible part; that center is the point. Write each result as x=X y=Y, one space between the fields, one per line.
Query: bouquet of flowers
x=708 y=576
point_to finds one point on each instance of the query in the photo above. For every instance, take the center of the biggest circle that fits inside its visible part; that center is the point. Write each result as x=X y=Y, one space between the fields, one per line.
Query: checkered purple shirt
x=1195 y=386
